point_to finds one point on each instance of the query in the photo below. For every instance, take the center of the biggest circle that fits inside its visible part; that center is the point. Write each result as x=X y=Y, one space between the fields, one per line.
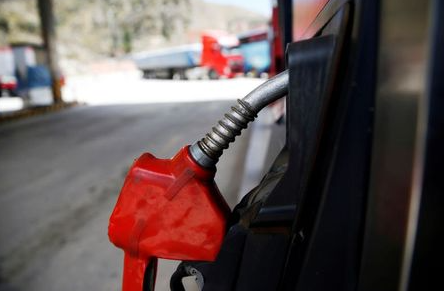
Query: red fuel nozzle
x=172 y=209
x=167 y=208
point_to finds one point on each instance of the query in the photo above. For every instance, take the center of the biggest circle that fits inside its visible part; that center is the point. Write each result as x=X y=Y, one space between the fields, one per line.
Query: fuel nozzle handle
x=206 y=152
x=172 y=208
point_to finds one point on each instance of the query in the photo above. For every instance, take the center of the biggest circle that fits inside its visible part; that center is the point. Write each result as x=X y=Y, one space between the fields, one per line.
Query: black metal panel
x=397 y=153
x=222 y=275
x=262 y=262
x=330 y=261
x=428 y=254
x=309 y=70
x=316 y=173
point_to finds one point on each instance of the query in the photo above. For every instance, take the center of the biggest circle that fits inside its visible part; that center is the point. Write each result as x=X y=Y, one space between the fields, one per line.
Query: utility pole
x=46 y=15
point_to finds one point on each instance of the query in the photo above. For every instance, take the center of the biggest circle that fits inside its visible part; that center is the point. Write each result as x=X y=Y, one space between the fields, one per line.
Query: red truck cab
x=220 y=54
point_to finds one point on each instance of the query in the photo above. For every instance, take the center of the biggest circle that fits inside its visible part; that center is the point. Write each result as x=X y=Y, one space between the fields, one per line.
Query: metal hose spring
x=207 y=151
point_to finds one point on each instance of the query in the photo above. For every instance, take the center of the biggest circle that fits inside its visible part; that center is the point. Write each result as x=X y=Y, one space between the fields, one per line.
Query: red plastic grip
x=134 y=270
x=167 y=208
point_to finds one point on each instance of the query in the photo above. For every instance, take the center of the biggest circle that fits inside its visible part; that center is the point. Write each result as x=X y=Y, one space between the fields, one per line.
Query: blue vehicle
x=32 y=74
x=255 y=48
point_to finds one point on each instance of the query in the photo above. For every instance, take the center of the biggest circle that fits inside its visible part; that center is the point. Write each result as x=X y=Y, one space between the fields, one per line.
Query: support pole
x=46 y=15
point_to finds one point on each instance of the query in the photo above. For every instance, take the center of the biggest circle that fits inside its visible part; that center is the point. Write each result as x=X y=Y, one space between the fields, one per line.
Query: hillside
x=94 y=29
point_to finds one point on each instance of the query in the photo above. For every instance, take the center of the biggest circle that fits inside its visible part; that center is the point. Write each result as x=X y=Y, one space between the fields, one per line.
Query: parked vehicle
x=167 y=62
x=8 y=80
x=33 y=78
x=217 y=55
x=24 y=73
x=255 y=49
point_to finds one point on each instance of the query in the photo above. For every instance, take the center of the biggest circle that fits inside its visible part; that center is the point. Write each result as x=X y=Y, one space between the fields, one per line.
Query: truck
x=8 y=81
x=217 y=55
x=255 y=49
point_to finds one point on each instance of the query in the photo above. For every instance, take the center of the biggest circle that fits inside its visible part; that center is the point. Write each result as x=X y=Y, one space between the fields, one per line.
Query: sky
x=260 y=6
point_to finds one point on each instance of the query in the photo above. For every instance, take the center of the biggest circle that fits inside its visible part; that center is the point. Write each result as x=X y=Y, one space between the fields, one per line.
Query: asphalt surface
x=60 y=175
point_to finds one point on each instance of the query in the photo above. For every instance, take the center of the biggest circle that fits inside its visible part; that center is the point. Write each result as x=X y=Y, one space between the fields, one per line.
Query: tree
x=128 y=19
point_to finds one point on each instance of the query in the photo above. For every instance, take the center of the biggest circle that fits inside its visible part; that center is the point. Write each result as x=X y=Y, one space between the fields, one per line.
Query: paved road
x=59 y=178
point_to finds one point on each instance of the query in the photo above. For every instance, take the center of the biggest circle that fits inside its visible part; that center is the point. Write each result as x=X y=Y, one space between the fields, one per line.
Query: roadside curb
x=34 y=111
